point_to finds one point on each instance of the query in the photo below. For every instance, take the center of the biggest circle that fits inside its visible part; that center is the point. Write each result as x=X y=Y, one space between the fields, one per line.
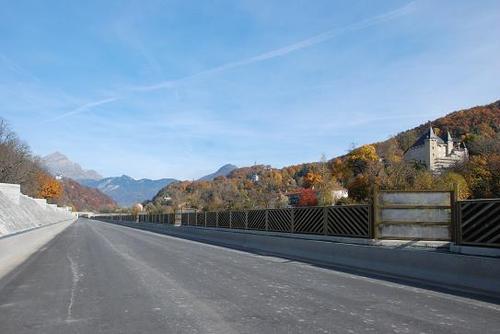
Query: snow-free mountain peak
x=59 y=164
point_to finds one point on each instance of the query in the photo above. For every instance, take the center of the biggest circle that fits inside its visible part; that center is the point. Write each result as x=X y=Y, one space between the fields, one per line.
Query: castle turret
x=449 y=144
x=430 y=147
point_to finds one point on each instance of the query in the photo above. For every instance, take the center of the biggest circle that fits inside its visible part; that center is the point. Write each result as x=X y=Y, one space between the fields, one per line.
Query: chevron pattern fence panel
x=349 y=221
x=280 y=220
x=185 y=219
x=211 y=219
x=192 y=218
x=257 y=220
x=308 y=220
x=200 y=219
x=478 y=222
x=224 y=219
x=166 y=218
x=238 y=219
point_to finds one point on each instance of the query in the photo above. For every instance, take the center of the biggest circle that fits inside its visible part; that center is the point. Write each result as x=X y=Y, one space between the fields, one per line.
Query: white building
x=436 y=153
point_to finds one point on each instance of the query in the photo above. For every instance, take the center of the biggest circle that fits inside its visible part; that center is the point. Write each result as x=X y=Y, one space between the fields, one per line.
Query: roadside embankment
x=26 y=225
x=19 y=212
x=477 y=275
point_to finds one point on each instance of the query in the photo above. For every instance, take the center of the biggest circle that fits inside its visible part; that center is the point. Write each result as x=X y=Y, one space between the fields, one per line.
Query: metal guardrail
x=478 y=222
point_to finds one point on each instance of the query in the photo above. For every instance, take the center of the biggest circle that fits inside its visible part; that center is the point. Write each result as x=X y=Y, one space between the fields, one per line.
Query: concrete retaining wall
x=472 y=274
x=11 y=191
x=413 y=215
x=19 y=212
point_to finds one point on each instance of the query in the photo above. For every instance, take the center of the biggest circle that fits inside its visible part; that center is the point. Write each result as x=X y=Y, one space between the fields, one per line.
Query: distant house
x=436 y=153
x=339 y=193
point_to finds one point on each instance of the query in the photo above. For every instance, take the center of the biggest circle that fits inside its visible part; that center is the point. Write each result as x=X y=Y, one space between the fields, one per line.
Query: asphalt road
x=101 y=278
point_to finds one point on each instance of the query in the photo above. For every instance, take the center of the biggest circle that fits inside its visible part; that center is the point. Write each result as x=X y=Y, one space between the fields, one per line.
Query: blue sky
x=178 y=88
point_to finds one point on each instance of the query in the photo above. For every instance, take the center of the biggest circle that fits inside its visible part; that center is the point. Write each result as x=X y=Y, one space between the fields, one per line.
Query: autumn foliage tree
x=307 y=197
x=312 y=179
x=48 y=187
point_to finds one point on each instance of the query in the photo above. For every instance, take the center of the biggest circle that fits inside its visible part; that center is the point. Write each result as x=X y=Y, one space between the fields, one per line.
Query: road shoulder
x=16 y=249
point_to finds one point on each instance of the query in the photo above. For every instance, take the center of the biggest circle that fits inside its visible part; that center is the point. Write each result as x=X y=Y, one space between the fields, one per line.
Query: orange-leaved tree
x=48 y=187
x=308 y=197
x=312 y=179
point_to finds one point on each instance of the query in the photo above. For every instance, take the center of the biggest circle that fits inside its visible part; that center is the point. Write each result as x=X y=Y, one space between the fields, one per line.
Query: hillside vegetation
x=374 y=165
x=83 y=198
x=18 y=165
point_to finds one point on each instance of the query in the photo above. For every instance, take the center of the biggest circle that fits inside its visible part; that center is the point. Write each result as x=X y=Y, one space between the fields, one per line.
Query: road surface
x=101 y=278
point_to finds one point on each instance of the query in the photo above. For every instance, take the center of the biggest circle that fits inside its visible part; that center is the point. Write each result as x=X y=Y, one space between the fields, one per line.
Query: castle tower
x=430 y=148
x=449 y=144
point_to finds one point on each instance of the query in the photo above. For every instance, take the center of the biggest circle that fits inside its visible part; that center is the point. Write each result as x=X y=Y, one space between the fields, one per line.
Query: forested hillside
x=19 y=165
x=374 y=165
x=83 y=198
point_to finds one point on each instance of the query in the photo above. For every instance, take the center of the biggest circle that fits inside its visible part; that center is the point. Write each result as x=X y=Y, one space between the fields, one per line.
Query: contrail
x=83 y=108
x=280 y=52
x=311 y=41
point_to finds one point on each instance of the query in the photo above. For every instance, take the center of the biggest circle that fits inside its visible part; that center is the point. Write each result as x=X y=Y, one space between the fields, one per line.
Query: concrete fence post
x=292 y=220
x=376 y=214
x=246 y=220
x=454 y=221
x=230 y=219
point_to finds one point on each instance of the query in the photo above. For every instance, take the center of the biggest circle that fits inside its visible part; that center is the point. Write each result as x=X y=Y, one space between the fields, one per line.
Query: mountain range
x=58 y=164
x=126 y=190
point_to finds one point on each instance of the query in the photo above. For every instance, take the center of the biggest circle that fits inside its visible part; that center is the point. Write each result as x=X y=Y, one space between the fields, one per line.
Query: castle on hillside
x=436 y=153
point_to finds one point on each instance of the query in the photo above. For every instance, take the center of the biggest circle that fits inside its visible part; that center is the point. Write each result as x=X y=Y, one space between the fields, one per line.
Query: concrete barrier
x=413 y=215
x=11 y=191
x=19 y=212
x=478 y=275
